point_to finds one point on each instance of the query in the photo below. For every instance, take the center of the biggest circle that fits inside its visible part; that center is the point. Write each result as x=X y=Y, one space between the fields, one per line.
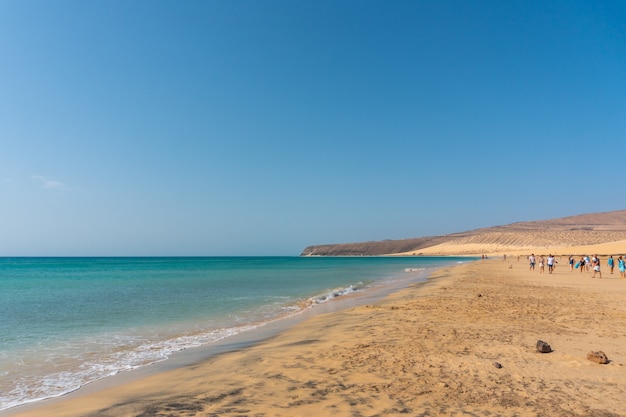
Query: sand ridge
x=573 y=242
x=430 y=350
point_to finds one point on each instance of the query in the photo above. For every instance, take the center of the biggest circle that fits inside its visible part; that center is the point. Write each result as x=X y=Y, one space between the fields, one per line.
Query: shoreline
x=242 y=340
x=429 y=349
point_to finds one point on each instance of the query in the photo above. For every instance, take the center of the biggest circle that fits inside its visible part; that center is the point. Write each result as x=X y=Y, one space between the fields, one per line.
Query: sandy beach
x=464 y=343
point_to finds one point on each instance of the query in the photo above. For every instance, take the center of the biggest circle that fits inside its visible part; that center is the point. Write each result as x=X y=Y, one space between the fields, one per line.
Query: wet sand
x=461 y=344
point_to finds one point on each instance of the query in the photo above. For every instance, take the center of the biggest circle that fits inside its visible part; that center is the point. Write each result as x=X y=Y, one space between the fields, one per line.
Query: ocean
x=66 y=322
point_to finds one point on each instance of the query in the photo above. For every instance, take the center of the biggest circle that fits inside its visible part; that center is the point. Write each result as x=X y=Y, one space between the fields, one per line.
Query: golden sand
x=525 y=243
x=461 y=344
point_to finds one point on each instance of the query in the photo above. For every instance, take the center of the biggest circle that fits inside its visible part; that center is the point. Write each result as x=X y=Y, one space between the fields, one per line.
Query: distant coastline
x=601 y=233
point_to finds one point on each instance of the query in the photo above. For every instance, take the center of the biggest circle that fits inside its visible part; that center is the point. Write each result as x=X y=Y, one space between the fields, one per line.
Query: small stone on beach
x=598 y=357
x=543 y=347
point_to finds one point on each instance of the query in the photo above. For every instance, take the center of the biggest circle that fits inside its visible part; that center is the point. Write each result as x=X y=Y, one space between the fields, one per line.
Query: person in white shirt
x=596 y=266
x=551 y=262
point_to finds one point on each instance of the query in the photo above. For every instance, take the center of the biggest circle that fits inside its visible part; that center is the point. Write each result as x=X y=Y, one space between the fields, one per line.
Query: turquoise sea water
x=66 y=322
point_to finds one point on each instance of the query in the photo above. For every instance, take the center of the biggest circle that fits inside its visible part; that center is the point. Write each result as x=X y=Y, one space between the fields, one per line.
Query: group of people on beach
x=585 y=263
x=550 y=261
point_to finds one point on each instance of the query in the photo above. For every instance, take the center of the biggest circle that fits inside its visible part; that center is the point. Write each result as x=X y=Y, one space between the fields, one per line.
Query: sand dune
x=527 y=242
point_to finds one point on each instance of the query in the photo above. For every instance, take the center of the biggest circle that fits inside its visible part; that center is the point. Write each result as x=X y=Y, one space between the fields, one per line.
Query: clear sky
x=260 y=127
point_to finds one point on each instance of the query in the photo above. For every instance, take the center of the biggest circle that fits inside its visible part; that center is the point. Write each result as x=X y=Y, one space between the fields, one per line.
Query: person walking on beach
x=541 y=264
x=531 y=258
x=596 y=266
x=551 y=262
x=581 y=264
x=621 y=265
x=571 y=263
x=611 y=263
x=587 y=263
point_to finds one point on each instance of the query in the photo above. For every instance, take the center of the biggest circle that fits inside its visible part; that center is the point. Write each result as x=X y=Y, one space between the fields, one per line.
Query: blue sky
x=261 y=127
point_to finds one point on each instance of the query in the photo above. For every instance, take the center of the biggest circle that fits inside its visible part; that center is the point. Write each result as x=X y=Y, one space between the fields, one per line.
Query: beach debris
x=480 y=295
x=498 y=365
x=598 y=357
x=543 y=347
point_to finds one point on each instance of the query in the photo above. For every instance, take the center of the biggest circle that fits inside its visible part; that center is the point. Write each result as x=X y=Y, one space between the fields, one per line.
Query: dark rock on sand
x=543 y=347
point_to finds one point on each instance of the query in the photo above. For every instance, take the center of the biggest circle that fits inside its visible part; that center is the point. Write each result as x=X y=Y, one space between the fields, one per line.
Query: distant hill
x=585 y=230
